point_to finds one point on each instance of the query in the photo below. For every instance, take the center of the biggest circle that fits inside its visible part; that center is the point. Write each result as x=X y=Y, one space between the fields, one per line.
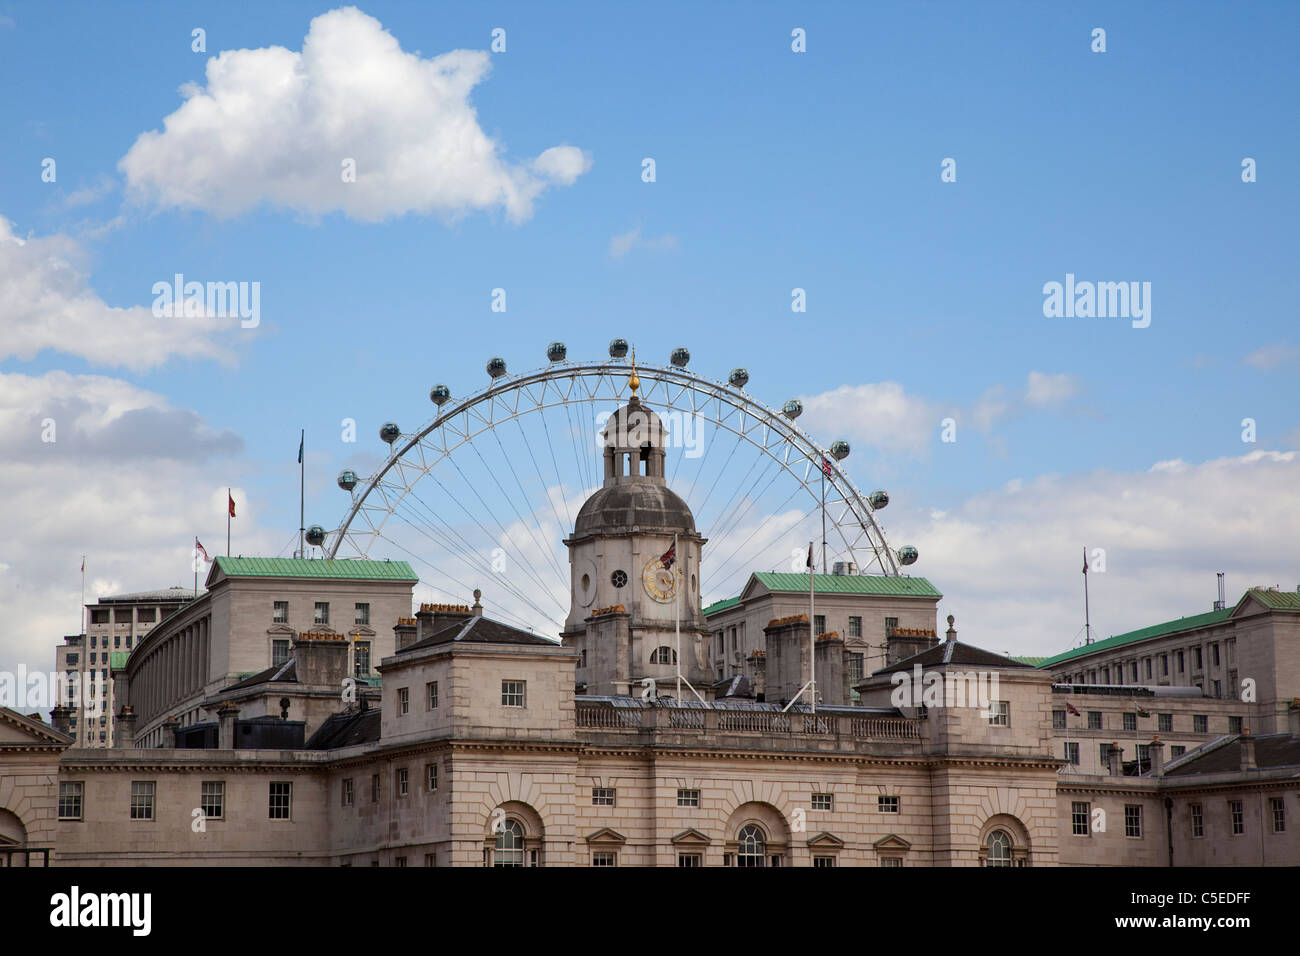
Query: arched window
x=753 y=846
x=999 y=849
x=663 y=655
x=509 y=849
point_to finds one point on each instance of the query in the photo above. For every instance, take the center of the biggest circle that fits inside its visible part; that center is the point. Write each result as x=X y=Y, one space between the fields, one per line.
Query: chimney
x=951 y=633
x=226 y=715
x=125 y=727
x=169 y=728
x=477 y=609
x=1293 y=718
x=1247 y=750
x=1115 y=765
x=321 y=659
x=408 y=630
x=1157 y=757
x=61 y=719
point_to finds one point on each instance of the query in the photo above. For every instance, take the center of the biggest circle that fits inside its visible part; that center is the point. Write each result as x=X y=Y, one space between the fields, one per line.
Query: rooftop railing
x=607 y=717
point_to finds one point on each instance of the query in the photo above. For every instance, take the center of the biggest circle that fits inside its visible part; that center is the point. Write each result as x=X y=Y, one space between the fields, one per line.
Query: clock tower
x=634 y=558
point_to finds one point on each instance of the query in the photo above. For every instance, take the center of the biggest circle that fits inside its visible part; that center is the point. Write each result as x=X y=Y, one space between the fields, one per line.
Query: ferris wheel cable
x=723 y=522
x=559 y=482
x=744 y=568
x=537 y=468
x=477 y=565
x=472 y=556
x=584 y=466
x=456 y=598
x=759 y=525
x=547 y=552
x=527 y=565
x=700 y=509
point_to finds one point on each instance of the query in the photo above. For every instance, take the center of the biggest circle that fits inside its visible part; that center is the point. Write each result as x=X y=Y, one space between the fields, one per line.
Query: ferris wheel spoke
x=548 y=553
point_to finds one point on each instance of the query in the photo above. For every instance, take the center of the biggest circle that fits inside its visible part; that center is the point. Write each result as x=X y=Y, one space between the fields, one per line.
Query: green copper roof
x=1155 y=630
x=1274 y=600
x=1031 y=661
x=836 y=584
x=346 y=568
x=117 y=660
x=849 y=584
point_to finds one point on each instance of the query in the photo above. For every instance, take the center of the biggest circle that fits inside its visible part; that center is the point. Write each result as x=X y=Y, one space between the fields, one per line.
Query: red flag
x=201 y=550
x=669 y=556
x=826 y=467
x=232 y=504
x=1071 y=708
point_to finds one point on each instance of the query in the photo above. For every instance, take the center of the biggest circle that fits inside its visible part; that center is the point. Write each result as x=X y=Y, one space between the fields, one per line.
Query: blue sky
x=775 y=170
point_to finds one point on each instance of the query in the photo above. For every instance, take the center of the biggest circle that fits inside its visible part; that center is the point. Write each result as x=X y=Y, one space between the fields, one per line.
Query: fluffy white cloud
x=622 y=244
x=133 y=512
x=276 y=125
x=880 y=414
x=46 y=302
x=1046 y=390
x=1009 y=561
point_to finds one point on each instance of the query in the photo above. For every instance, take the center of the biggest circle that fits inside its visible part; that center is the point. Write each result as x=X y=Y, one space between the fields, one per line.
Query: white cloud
x=1050 y=390
x=1009 y=561
x=276 y=125
x=881 y=414
x=46 y=302
x=134 y=516
x=625 y=242
x=1270 y=357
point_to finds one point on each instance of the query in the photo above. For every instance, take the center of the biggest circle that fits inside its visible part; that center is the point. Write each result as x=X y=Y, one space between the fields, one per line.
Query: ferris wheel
x=484 y=493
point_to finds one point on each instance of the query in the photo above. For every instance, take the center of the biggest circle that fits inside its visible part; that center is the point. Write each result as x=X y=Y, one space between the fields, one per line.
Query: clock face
x=660 y=583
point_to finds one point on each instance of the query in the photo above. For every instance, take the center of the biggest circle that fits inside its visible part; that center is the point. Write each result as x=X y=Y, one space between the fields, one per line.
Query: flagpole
x=1087 y=615
x=228 y=500
x=302 y=523
x=812 y=624
x=83 y=594
x=823 y=514
x=678 y=605
x=196 y=566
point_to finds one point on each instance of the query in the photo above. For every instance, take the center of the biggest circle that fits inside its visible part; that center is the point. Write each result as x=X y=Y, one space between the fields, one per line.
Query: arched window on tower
x=663 y=655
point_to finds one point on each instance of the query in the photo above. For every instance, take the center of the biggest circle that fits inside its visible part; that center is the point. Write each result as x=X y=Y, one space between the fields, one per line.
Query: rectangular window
x=823 y=860
x=602 y=796
x=142 y=799
x=1177 y=750
x=1238 y=815
x=73 y=659
x=280 y=612
x=855 y=625
x=146 y=615
x=362 y=666
x=1214 y=648
x=1217 y=689
x=1058 y=720
x=1198 y=820
x=1147 y=665
x=431 y=776
x=374 y=788
x=98 y=617
x=1199 y=660
x=820 y=620
x=855 y=668
x=512 y=693
x=281 y=799
x=689 y=859
x=1234 y=725
x=70 y=800
x=1133 y=670
x=688 y=798
x=362 y=615
x=1000 y=713
x=403 y=701
x=603 y=858
x=1080 y=818
x=322 y=613
x=891 y=861
x=1166 y=722
x=1200 y=723
x=402 y=782
x=399 y=861
x=1104 y=752
x=1164 y=665
x=431 y=694
x=1094 y=720
x=347 y=792
x=212 y=799
x=430 y=859
x=887 y=804
x=117 y=640
x=823 y=801
x=1130 y=721
x=1072 y=752
x=279 y=651
x=890 y=624
x=1181 y=661
x=1278 y=806
x=1132 y=820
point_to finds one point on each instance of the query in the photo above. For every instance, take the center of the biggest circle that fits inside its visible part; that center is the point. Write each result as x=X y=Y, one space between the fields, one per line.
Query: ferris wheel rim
x=712 y=389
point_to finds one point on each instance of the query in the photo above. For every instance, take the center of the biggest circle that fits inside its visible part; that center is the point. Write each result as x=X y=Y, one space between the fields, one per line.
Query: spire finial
x=633 y=382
